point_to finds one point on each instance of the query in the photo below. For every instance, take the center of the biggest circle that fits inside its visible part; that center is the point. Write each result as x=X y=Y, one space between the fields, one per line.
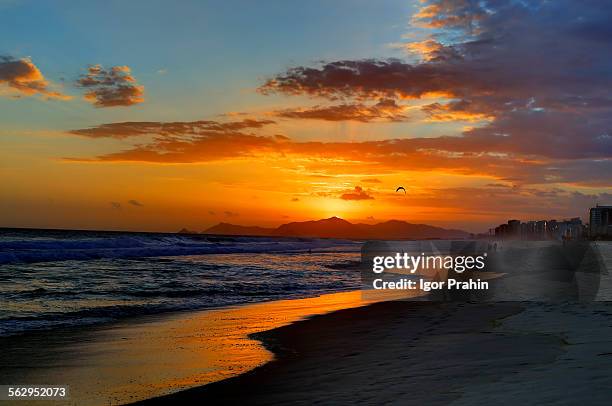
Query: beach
x=339 y=348
x=428 y=353
x=410 y=352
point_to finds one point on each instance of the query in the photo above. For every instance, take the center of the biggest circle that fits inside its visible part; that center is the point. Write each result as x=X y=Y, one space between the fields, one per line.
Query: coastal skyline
x=482 y=112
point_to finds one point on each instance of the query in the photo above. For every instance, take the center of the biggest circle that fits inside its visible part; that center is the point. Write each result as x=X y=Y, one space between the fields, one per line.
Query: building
x=514 y=229
x=501 y=231
x=600 y=222
x=571 y=229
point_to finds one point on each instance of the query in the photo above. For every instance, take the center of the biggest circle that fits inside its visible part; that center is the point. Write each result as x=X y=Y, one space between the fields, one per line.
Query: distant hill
x=335 y=227
x=232 y=229
x=327 y=228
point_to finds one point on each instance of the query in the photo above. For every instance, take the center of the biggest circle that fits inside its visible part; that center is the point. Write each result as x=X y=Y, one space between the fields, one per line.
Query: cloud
x=230 y=214
x=115 y=205
x=356 y=194
x=295 y=199
x=461 y=110
x=135 y=203
x=533 y=76
x=111 y=87
x=368 y=78
x=533 y=160
x=384 y=110
x=431 y=50
x=371 y=180
x=497 y=185
x=533 y=203
x=181 y=129
x=454 y=14
x=25 y=79
x=533 y=80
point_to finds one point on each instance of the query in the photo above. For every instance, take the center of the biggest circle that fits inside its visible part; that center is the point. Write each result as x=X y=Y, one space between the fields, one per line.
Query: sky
x=159 y=115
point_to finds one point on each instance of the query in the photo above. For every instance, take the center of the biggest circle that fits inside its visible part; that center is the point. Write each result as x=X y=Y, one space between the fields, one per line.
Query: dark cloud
x=295 y=199
x=537 y=74
x=371 y=180
x=115 y=205
x=181 y=129
x=364 y=79
x=384 y=110
x=111 y=87
x=230 y=214
x=356 y=194
x=25 y=79
x=135 y=203
x=460 y=14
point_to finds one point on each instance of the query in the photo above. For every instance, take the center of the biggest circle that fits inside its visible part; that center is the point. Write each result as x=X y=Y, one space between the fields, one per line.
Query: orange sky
x=114 y=140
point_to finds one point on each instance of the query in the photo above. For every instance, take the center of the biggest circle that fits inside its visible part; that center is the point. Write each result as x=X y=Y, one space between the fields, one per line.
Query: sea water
x=57 y=278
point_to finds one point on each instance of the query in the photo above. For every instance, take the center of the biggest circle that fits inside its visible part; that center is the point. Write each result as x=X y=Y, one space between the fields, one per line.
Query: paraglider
x=400 y=188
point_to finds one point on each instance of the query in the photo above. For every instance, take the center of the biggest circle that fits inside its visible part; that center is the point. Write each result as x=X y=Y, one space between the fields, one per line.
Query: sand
x=387 y=352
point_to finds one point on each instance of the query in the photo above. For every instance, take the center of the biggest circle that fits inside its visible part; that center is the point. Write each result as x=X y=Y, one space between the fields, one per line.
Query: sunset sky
x=153 y=115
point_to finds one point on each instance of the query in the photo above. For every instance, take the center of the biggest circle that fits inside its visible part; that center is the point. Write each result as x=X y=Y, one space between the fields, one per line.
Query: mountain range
x=335 y=227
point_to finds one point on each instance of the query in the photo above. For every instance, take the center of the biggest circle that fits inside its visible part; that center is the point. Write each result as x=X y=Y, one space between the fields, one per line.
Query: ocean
x=60 y=278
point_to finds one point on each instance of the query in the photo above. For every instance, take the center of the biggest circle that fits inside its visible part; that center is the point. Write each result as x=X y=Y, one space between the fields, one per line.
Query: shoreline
x=315 y=362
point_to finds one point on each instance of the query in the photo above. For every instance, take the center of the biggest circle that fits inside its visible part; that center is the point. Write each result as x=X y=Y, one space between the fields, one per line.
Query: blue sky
x=195 y=59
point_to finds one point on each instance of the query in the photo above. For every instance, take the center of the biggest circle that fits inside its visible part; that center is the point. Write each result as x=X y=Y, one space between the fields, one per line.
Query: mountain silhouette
x=335 y=227
x=232 y=229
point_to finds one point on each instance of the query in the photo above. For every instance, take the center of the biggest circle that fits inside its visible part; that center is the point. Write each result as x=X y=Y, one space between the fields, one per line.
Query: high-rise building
x=538 y=230
x=514 y=229
x=600 y=222
x=569 y=229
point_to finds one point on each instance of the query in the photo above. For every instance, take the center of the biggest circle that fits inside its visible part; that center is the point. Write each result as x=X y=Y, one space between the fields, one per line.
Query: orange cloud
x=356 y=194
x=332 y=157
x=431 y=50
x=22 y=76
x=450 y=14
x=530 y=155
x=110 y=88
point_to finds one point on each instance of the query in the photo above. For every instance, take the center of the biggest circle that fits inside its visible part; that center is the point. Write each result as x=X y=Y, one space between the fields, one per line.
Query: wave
x=75 y=247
